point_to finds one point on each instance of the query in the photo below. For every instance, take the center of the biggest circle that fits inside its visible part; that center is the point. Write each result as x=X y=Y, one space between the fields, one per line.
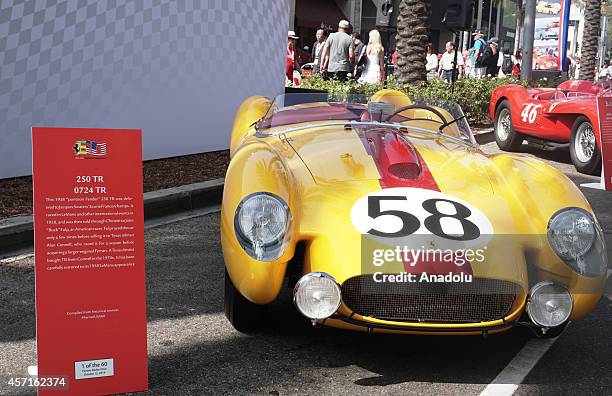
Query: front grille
x=481 y=300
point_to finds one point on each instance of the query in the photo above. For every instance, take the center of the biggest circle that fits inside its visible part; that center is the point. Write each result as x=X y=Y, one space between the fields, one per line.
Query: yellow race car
x=383 y=215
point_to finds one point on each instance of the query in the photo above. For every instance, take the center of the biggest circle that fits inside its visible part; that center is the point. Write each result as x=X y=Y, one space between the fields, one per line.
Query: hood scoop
x=399 y=163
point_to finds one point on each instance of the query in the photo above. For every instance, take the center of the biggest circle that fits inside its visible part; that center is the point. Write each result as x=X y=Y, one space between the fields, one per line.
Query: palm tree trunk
x=592 y=19
x=412 y=38
x=519 y=24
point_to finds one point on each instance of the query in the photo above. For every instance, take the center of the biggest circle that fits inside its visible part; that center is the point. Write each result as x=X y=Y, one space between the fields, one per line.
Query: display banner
x=89 y=258
x=604 y=112
x=550 y=36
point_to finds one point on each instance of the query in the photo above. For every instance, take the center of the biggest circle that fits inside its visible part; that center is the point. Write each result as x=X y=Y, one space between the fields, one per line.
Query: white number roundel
x=417 y=215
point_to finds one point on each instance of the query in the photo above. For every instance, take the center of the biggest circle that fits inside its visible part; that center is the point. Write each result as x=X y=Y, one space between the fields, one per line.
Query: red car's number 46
x=530 y=112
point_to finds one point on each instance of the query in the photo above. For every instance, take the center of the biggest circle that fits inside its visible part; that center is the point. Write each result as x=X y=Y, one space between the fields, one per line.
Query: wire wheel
x=504 y=124
x=584 y=143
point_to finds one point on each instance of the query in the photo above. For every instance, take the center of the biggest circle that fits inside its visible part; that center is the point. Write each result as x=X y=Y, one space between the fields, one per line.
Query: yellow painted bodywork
x=518 y=195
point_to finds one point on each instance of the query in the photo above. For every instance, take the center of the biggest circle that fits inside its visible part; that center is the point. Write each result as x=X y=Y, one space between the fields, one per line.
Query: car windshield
x=427 y=115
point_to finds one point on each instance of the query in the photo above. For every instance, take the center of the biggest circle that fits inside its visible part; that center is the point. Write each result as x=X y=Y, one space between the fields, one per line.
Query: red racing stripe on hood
x=400 y=165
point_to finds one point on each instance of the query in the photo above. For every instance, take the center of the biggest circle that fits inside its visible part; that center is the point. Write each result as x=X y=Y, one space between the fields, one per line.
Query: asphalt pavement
x=194 y=350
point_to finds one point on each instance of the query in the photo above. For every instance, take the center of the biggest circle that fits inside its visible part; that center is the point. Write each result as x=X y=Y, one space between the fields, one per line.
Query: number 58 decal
x=407 y=212
x=530 y=112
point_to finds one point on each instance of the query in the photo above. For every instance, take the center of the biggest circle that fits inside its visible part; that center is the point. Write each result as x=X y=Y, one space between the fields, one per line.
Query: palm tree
x=590 y=39
x=412 y=38
x=520 y=13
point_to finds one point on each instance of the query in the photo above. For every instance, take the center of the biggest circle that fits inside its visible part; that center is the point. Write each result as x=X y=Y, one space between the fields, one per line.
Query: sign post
x=89 y=258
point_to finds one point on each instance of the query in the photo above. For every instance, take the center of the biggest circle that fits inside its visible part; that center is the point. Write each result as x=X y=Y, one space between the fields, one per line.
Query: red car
x=551 y=118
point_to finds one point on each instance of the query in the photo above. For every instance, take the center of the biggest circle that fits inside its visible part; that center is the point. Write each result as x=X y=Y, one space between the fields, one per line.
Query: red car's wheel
x=242 y=314
x=583 y=147
x=506 y=137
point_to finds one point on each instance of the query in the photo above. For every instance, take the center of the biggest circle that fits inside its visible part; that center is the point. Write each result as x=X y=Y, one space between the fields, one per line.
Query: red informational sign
x=89 y=254
x=604 y=111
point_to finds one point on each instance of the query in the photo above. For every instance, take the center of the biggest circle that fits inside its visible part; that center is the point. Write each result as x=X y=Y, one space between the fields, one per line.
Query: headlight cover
x=576 y=237
x=261 y=223
x=317 y=295
x=550 y=304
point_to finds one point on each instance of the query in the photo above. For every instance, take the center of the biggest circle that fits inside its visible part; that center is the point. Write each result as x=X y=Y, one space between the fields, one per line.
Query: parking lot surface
x=194 y=350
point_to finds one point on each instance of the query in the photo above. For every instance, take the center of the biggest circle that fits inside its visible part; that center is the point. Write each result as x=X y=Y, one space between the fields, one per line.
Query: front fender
x=514 y=93
x=539 y=191
x=250 y=111
x=255 y=167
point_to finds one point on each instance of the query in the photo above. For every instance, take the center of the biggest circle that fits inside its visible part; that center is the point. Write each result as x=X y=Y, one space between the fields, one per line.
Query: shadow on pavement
x=288 y=351
x=184 y=269
x=586 y=341
x=17 y=312
x=559 y=155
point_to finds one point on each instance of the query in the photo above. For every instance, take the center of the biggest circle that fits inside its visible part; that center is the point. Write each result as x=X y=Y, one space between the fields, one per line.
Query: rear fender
x=567 y=111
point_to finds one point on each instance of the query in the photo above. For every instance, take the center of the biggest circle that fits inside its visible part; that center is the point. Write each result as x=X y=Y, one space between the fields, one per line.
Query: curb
x=18 y=232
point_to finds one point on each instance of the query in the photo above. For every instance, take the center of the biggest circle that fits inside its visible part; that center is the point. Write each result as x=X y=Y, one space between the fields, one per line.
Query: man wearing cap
x=291 y=62
x=492 y=57
x=338 y=53
x=479 y=70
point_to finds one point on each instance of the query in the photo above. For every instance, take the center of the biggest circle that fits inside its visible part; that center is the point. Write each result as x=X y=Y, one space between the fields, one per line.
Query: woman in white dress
x=375 y=61
x=431 y=64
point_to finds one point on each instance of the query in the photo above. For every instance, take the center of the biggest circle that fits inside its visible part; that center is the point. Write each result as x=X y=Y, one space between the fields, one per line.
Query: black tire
x=591 y=166
x=511 y=141
x=242 y=314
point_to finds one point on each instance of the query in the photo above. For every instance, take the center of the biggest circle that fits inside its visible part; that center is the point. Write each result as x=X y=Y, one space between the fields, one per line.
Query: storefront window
x=507 y=28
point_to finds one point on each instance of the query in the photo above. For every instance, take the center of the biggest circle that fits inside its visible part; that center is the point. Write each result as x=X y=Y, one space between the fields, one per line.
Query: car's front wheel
x=242 y=314
x=506 y=137
x=583 y=147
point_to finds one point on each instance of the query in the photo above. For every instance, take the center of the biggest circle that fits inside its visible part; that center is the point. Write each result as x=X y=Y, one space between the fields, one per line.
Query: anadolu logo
x=89 y=149
x=419 y=217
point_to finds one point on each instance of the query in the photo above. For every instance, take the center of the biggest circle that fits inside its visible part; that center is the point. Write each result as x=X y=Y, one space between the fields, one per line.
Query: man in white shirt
x=317 y=50
x=447 y=63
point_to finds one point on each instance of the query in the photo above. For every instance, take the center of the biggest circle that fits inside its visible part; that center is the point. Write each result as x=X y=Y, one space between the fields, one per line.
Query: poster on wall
x=550 y=36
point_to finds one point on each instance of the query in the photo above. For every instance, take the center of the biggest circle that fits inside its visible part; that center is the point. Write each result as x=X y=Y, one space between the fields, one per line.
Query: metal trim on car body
x=482 y=329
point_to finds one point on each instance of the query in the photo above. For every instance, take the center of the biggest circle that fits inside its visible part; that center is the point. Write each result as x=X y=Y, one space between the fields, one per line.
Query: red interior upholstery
x=546 y=95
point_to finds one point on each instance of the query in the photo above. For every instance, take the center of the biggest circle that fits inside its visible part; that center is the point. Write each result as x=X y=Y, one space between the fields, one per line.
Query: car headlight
x=577 y=239
x=317 y=295
x=550 y=304
x=261 y=223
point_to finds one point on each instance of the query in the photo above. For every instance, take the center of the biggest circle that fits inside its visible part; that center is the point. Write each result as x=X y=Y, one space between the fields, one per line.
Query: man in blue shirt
x=479 y=69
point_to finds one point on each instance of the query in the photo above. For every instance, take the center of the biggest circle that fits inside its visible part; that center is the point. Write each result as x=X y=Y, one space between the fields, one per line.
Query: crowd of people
x=341 y=55
x=484 y=59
